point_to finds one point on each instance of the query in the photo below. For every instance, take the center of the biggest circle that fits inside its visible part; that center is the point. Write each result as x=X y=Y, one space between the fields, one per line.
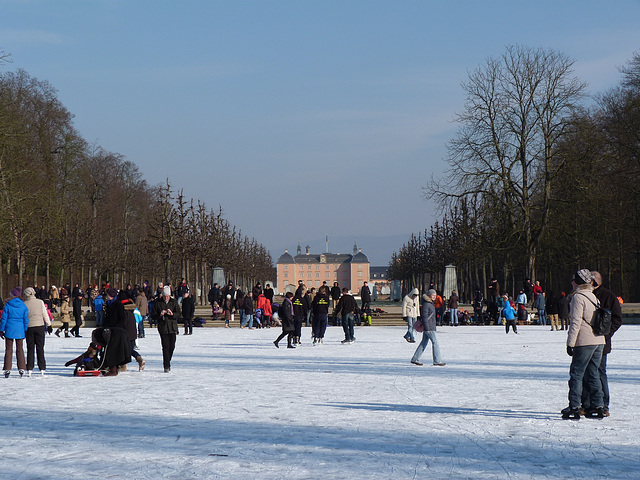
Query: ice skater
x=285 y=313
x=509 y=315
x=428 y=318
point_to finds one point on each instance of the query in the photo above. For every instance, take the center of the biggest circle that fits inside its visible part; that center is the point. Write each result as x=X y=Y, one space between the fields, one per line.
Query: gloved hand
x=49 y=329
x=2 y=335
x=570 y=351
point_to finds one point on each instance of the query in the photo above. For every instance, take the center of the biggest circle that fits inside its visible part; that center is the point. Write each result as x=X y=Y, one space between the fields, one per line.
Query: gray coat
x=428 y=315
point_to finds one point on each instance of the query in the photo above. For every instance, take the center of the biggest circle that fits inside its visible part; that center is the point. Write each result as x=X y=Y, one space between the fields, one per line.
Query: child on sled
x=88 y=361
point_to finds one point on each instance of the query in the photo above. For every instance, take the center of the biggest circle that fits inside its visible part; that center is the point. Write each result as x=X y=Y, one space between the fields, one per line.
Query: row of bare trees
x=538 y=185
x=73 y=212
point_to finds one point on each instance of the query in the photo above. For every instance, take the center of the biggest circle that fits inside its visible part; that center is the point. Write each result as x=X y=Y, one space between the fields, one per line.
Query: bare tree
x=518 y=108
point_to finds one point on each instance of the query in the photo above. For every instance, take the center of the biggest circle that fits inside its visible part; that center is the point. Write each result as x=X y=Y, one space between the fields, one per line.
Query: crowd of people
x=588 y=382
x=120 y=315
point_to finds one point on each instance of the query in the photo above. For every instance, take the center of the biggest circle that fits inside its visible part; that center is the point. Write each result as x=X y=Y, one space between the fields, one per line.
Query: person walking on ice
x=428 y=318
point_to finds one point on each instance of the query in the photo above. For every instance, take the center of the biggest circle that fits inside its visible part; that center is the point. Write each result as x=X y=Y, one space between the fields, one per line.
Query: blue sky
x=300 y=118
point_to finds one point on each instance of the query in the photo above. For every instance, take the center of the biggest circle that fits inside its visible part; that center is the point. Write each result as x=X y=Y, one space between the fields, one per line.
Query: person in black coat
x=563 y=311
x=607 y=300
x=365 y=295
x=285 y=313
x=214 y=297
x=115 y=349
x=249 y=311
x=320 y=307
x=268 y=293
x=166 y=312
x=78 y=295
x=119 y=315
x=347 y=306
x=299 y=313
x=553 y=309
x=188 y=310
x=114 y=316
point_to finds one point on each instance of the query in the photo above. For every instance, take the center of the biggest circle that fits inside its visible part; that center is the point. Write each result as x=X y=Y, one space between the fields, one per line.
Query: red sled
x=88 y=373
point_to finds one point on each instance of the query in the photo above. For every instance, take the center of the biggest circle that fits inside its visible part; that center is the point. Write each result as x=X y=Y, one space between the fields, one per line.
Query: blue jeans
x=348 y=322
x=141 y=327
x=99 y=318
x=426 y=336
x=410 y=322
x=586 y=392
x=246 y=318
x=242 y=321
x=584 y=366
x=542 y=315
x=454 y=316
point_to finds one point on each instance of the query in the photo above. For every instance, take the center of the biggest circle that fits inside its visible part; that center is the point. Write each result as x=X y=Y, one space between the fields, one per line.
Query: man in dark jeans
x=347 y=306
x=188 y=310
x=166 y=312
x=335 y=296
x=78 y=295
x=453 y=308
x=365 y=295
x=607 y=300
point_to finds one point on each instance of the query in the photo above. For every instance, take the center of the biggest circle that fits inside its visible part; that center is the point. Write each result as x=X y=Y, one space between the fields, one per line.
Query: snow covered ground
x=235 y=407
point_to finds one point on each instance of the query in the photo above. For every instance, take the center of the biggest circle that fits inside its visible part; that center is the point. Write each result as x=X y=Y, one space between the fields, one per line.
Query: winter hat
x=29 y=292
x=16 y=292
x=583 y=276
x=112 y=292
x=166 y=290
x=430 y=292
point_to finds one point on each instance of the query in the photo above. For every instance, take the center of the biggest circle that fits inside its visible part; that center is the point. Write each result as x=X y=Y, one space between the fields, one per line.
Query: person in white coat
x=411 y=311
x=39 y=322
x=584 y=348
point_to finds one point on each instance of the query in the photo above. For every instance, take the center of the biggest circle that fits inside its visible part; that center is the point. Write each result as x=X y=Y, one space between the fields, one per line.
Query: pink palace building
x=349 y=271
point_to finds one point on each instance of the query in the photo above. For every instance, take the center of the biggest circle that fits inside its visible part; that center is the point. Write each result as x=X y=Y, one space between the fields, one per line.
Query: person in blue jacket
x=13 y=326
x=509 y=314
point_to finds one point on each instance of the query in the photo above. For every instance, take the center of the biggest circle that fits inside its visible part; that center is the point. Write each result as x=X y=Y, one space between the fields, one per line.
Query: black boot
x=571 y=412
x=594 y=412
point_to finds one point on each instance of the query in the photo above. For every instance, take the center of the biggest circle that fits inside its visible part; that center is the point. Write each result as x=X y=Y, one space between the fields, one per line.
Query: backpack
x=601 y=320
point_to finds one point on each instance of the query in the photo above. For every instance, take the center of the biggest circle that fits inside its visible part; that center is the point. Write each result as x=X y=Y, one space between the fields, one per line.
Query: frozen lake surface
x=235 y=407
